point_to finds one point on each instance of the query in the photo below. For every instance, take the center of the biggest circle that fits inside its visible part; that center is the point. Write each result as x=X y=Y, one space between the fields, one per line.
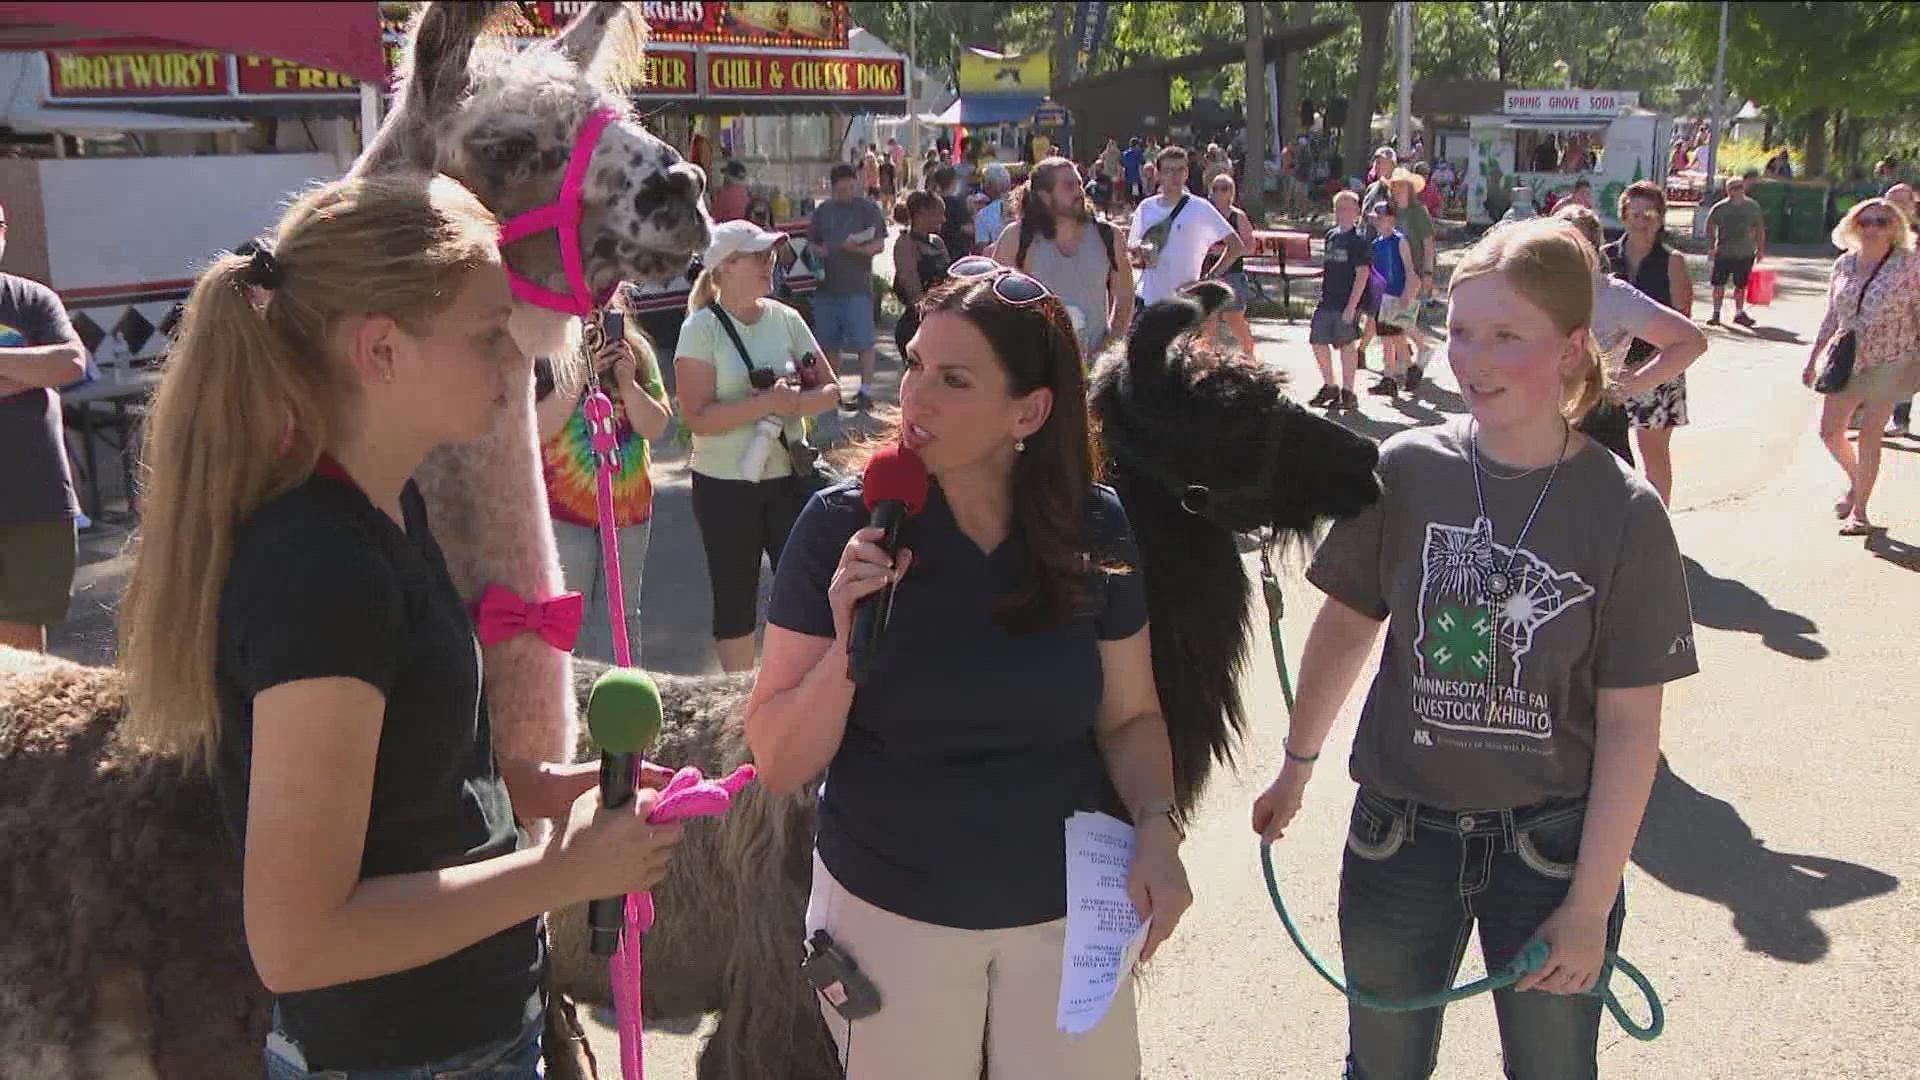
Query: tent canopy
x=972 y=110
x=342 y=37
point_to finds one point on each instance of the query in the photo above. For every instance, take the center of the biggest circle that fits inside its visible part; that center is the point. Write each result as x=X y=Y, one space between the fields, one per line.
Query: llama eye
x=503 y=151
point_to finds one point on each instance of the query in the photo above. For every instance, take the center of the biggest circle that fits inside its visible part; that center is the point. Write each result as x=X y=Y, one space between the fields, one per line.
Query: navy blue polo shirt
x=970 y=745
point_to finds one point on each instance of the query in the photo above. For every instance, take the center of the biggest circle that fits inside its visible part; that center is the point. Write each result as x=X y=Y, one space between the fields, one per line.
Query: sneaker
x=1328 y=395
x=1898 y=430
x=1414 y=375
x=860 y=402
x=1349 y=401
x=1386 y=387
x=1743 y=319
x=1714 y=320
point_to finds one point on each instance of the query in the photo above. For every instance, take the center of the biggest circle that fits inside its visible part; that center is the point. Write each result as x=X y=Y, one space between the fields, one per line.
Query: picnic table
x=115 y=403
x=1286 y=254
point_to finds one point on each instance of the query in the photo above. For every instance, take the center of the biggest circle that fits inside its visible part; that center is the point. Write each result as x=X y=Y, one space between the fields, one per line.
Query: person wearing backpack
x=1058 y=239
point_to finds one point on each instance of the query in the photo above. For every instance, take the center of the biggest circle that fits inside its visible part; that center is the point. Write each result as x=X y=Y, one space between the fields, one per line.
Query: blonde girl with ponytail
x=291 y=630
x=1506 y=750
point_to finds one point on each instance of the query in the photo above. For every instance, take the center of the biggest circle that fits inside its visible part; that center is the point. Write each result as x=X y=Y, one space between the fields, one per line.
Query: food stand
x=1619 y=141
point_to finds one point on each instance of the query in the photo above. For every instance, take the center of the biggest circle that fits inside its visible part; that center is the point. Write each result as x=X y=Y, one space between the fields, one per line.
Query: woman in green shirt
x=741 y=402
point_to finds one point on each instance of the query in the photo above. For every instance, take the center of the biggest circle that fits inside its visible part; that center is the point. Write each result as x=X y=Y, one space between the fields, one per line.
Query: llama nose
x=687 y=180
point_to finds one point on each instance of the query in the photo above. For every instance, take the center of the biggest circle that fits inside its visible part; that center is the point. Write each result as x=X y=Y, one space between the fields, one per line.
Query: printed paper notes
x=1104 y=933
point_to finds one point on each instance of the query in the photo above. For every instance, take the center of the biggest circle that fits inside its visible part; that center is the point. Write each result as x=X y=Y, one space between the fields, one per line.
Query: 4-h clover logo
x=1458 y=641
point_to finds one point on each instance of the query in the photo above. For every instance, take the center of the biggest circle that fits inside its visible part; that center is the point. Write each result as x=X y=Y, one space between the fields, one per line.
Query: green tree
x=1861 y=60
x=1356 y=140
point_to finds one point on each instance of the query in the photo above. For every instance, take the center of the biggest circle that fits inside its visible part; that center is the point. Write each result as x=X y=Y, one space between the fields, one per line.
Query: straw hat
x=1409 y=176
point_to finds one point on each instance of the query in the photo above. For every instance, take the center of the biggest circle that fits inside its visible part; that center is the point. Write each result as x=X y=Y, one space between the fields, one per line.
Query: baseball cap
x=736 y=238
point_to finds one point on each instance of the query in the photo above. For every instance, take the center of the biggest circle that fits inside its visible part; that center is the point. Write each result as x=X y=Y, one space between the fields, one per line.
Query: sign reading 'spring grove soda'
x=1568 y=102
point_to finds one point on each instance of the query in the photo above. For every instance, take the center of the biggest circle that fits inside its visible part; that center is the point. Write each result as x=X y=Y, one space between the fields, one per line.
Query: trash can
x=1772 y=197
x=1806 y=213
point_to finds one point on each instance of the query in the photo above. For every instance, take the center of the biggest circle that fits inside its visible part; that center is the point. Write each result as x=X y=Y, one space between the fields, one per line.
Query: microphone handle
x=606 y=917
x=870 y=614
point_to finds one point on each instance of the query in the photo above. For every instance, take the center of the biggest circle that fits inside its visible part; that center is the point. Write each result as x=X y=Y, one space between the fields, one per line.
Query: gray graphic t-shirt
x=1597 y=599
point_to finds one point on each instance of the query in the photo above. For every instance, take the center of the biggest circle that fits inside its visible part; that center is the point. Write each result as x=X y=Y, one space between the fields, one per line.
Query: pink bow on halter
x=687 y=795
x=501 y=613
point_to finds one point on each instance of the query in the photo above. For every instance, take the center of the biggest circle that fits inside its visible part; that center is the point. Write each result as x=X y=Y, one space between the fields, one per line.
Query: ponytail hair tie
x=263 y=270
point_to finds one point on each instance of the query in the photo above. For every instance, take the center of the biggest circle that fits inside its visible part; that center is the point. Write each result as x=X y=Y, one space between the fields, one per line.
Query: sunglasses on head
x=1875 y=221
x=1009 y=284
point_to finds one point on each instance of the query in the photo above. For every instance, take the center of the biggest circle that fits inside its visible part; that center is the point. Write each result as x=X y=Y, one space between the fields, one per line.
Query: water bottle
x=753 y=461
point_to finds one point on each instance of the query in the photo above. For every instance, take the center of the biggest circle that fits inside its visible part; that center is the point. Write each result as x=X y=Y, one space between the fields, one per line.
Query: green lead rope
x=1530 y=959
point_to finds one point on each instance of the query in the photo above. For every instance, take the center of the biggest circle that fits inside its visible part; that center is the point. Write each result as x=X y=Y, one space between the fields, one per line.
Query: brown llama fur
x=126 y=957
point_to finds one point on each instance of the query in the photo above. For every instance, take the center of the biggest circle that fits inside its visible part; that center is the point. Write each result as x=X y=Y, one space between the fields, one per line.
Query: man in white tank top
x=1056 y=237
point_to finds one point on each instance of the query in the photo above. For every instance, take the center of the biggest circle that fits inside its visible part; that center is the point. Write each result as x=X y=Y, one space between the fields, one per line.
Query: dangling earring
x=1019 y=446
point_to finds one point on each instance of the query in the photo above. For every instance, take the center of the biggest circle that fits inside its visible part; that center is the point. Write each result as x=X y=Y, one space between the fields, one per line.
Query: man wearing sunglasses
x=1736 y=239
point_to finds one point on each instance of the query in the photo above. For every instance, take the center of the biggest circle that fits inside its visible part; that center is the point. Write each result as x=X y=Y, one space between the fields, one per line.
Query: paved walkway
x=1769 y=896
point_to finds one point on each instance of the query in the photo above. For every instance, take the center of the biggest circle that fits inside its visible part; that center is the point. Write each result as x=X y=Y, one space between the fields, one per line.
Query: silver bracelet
x=1298 y=759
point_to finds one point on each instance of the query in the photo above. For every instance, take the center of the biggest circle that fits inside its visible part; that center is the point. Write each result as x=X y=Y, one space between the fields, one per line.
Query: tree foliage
x=1860 y=62
x=1798 y=56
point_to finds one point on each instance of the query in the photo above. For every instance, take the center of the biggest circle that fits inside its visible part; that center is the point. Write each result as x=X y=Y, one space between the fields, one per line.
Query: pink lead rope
x=687 y=795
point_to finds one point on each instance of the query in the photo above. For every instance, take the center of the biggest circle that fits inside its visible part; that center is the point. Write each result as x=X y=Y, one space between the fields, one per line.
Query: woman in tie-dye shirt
x=629 y=375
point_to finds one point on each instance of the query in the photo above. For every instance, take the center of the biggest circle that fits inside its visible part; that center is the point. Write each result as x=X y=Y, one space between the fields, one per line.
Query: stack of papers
x=1104 y=932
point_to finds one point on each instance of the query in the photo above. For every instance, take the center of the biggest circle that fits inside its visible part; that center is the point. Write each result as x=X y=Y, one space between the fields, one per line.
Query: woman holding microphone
x=1013 y=688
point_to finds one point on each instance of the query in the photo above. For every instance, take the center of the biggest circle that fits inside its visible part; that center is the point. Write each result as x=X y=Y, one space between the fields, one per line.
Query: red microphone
x=894 y=489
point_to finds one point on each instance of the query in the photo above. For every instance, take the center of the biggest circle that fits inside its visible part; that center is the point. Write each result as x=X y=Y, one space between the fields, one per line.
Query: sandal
x=1856 y=527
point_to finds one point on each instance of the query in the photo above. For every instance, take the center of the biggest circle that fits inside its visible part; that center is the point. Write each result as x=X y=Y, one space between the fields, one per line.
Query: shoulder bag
x=809 y=468
x=1154 y=239
x=1838 y=369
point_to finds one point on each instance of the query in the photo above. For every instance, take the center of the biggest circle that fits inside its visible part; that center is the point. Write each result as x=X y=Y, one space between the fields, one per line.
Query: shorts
x=1396 y=315
x=37 y=561
x=1664 y=406
x=843 y=322
x=740 y=520
x=1330 y=329
x=1242 y=287
x=1726 y=267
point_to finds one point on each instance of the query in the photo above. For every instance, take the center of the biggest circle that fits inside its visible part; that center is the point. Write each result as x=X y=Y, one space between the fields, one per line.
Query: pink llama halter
x=687 y=795
x=563 y=216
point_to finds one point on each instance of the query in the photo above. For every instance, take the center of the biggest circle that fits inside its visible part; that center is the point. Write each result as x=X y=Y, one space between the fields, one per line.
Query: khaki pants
x=948 y=996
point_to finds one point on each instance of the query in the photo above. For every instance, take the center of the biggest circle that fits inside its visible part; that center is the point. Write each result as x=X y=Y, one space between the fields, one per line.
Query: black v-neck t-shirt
x=969 y=745
x=323 y=584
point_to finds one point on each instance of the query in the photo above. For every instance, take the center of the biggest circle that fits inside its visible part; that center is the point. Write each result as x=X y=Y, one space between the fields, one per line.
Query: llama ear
x=603 y=39
x=1148 y=355
x=438 y=48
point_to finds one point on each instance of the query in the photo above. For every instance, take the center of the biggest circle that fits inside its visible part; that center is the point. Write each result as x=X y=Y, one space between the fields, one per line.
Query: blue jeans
x=515 y=1058
x=1414 y=882
x=843 y=322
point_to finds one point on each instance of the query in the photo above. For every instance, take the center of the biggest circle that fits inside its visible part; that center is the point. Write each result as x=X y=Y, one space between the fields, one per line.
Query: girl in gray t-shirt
x=1535 y=604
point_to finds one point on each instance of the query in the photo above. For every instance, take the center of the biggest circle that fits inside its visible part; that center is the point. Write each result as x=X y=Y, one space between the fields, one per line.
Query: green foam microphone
x=623 y=713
